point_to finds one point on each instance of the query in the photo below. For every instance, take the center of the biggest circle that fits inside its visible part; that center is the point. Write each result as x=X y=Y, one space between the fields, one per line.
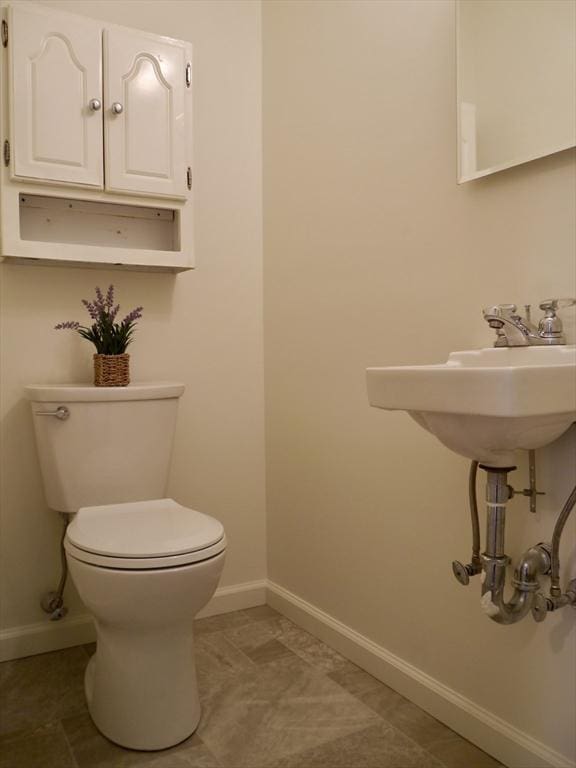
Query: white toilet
x=143 y=564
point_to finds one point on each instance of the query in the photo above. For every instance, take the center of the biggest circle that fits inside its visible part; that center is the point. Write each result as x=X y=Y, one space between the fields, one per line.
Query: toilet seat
x=143 y=535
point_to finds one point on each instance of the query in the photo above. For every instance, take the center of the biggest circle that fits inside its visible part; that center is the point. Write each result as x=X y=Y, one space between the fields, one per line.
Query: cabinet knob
x=117 y=108
x=95 y=105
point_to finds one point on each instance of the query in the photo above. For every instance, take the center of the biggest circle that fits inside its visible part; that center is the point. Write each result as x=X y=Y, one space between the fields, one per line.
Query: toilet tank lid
x=88 y=393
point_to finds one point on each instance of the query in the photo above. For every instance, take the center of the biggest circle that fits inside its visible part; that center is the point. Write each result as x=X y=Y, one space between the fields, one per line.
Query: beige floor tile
x=221 y=622
x=405 y=716
x=217 y=661
x=92 y=750
x=45 y=747
x=451 y=749
x=273 y=650
x=275 y=710
x=455 y=752
x=252 y=636
x=41 y=689
x=312 y=650
x=356 y=680
x=379 y=746
x=260 y=612
x=195 y=757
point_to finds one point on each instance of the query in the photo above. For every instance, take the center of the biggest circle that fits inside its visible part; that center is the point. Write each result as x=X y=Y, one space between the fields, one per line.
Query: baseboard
x=236 y=598
x=499 y=738
x=29 y=640
x=45 y=636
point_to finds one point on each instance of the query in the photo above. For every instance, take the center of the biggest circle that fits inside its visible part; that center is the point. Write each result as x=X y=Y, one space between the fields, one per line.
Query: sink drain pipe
x=541 y=559
x=534 y=562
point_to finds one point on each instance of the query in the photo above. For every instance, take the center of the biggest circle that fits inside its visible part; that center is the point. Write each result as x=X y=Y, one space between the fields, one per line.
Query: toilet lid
x=143 y=529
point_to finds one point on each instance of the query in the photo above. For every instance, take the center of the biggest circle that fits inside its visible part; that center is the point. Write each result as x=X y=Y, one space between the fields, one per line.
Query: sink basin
x=487 y=403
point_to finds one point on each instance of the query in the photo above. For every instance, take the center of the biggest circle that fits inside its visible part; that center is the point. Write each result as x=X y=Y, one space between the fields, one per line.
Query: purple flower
x=68 y=324
x=136 y=314
x=110 y=297
x=92 y=309
x=114 y=312
x=99 y=298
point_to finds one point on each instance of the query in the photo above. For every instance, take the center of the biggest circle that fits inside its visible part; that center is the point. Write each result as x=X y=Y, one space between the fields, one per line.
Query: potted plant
x=111 y=338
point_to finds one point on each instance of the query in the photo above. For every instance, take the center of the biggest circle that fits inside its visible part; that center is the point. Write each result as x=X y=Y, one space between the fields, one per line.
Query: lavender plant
x=108 y=336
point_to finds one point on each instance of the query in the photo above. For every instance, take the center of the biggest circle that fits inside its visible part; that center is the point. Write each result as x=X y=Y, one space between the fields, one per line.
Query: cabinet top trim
x=56 y=12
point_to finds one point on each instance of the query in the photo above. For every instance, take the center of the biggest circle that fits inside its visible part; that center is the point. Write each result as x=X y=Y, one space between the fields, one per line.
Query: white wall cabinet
x=146 y=79
x=56 y=72
x=94 y=115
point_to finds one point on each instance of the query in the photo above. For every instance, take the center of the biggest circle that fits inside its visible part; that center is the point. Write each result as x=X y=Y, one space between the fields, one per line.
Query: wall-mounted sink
x=485 y=404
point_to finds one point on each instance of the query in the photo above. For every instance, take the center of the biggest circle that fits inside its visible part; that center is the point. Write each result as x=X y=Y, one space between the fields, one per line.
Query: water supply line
x=475 y=561
x=464 y=572
x=53 y=602
x=557 y=599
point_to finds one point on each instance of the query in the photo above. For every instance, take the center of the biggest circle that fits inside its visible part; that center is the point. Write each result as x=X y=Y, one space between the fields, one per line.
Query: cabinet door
x=56 y=61
x=147 y=113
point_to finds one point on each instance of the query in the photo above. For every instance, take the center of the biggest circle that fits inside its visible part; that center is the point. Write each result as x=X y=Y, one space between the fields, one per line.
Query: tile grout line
x=67 y=740
x=237 y=647
x=233 y=644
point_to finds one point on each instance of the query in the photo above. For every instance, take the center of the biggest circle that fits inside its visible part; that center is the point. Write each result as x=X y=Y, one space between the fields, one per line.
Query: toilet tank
x=114 y=446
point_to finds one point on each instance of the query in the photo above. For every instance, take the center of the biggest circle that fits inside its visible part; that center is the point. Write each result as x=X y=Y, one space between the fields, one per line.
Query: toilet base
x=141 y=683
x=128 y=707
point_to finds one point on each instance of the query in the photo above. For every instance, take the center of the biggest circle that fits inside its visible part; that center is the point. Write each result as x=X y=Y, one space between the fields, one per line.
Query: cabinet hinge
x=4 y=33
x=6 y=153
x=189 y=177
x=188 y=75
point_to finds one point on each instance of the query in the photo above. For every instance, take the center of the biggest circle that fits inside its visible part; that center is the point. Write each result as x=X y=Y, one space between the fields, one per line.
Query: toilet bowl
x=144 y=570
x=143 y=565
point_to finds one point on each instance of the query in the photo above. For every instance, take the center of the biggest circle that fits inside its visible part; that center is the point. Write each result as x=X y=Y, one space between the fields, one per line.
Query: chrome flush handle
x=62 y=413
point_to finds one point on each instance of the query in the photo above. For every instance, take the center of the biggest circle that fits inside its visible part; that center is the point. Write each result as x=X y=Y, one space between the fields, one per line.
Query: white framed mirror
x=516 y=82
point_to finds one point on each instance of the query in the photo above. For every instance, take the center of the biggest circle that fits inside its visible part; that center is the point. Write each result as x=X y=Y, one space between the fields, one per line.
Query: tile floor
x=273 y=697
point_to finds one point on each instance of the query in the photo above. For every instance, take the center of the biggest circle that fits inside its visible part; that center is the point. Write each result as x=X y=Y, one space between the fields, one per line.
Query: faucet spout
x=508 y=332
x=511 y=329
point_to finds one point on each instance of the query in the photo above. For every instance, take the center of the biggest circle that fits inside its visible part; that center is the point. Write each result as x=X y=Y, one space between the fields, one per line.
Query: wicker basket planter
x=111 y=370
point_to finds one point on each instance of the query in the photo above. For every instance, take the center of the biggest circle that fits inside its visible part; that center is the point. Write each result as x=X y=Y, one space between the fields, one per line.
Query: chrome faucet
x=513 y=330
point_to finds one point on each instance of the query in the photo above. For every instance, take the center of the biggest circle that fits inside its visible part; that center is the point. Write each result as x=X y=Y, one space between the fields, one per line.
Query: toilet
x=143 y=564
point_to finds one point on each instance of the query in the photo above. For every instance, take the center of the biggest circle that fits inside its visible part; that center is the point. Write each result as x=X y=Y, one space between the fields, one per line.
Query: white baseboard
x=45 y=636
x=29 y=640
x=499 y=738
x=236 y=598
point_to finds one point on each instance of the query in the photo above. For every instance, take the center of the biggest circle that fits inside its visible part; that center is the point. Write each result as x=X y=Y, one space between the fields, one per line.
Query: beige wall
x=202 y=327
x=374 y=256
